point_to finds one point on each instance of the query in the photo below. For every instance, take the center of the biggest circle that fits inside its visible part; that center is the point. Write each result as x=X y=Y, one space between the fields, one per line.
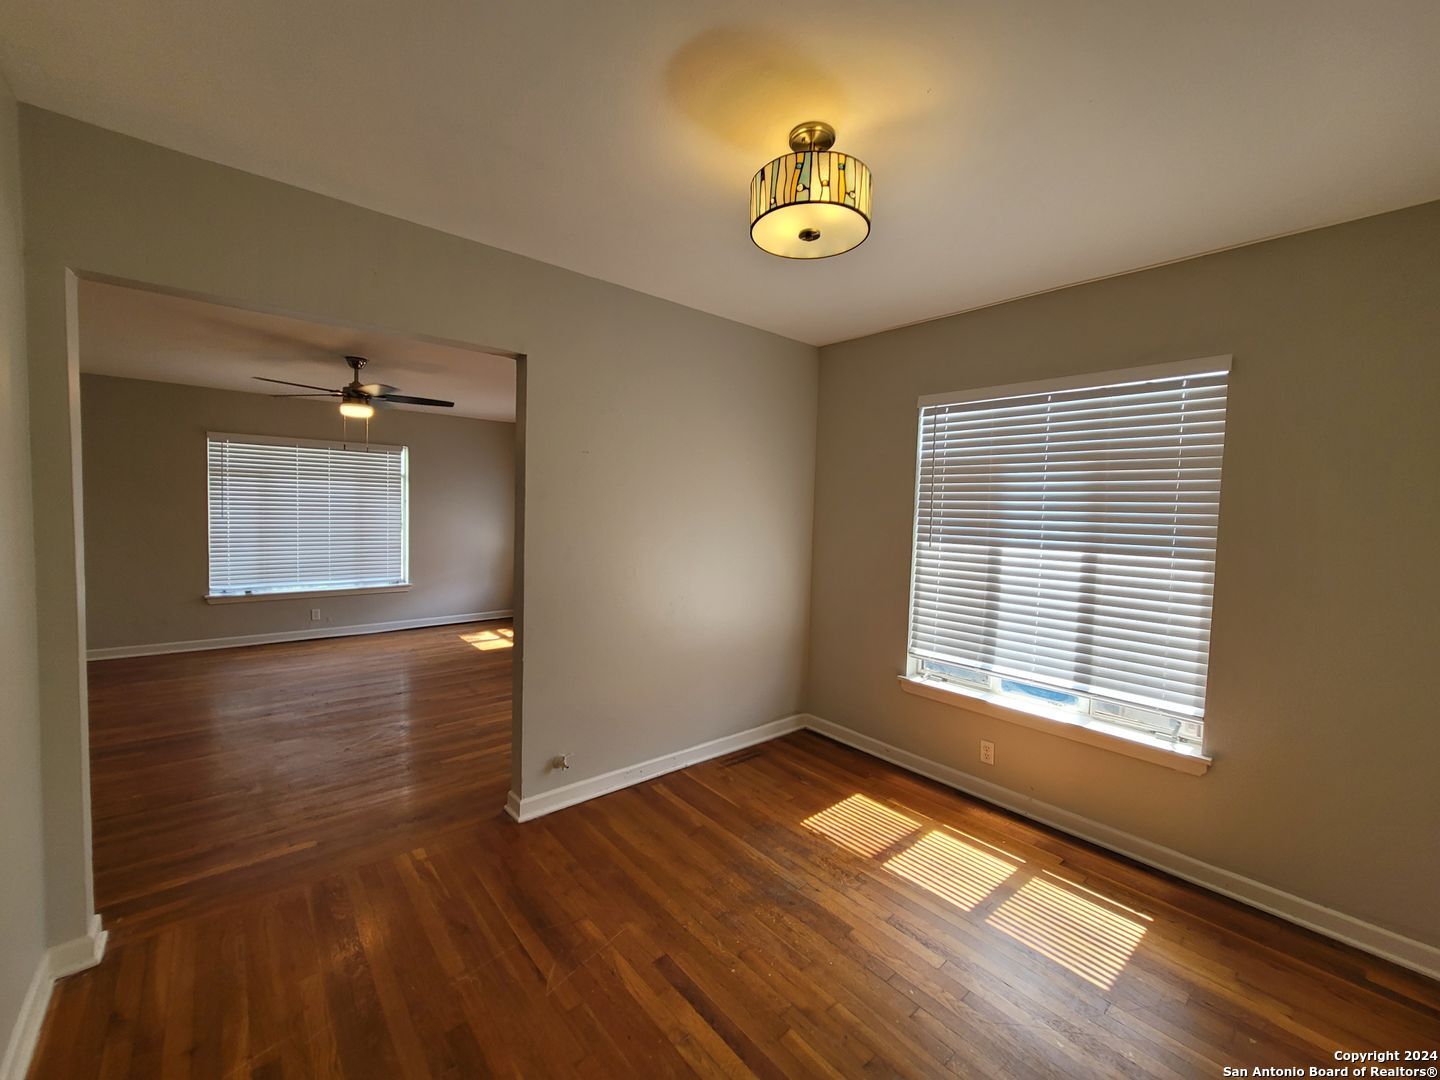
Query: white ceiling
x=1016 y=147
x=138 y=334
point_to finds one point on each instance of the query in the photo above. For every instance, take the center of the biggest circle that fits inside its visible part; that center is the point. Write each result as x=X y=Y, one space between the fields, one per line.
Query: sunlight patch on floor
x=1092 y=938
x=1081 y=930
x=490 y=640
x=862 y=825
x=952 y=869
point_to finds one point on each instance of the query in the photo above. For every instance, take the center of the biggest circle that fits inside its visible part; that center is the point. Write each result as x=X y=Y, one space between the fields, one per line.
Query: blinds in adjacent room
x=294 y=515
x=1065 y=535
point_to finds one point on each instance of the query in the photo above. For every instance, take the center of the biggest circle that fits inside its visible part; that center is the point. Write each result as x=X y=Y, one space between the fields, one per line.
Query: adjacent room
x=242 y=532
x=559 y=540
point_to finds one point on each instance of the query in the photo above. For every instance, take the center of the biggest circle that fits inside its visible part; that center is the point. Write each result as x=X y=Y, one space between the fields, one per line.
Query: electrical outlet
x=987 y=752
x=314 y=614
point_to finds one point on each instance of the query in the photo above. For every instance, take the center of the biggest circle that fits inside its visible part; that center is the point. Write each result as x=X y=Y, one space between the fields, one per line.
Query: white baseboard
x=163 y=647
x=1376 y=940
x=79 y=953
x=547 y=802
x=64 y=959
x=26 y=1032
x=1407 y=952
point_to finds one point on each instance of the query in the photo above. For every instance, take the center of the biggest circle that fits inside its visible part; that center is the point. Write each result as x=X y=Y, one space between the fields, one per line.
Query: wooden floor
x=225 y=774
x=303 y=858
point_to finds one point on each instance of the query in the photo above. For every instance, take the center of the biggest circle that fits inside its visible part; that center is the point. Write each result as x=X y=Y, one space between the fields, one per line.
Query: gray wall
x=669 y=455
x=1322 y=712
x=146 y=560
x=22 y=898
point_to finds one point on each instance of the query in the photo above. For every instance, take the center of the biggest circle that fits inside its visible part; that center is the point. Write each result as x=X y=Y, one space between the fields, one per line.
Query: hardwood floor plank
x=302 y=856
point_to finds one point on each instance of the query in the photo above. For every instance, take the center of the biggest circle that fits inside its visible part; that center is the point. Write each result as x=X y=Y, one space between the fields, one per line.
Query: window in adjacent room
x=1064 y=552
x=299 y=515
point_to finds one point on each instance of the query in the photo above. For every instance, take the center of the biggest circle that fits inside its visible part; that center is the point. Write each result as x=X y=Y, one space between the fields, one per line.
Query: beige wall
x=22 y=898
x=1322 y=713
x=146 y=562
x=669 y=455
x=669 y=473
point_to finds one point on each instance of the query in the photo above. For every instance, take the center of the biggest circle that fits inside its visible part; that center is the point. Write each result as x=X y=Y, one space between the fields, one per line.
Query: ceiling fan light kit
x=357 y=410
x=813 y=202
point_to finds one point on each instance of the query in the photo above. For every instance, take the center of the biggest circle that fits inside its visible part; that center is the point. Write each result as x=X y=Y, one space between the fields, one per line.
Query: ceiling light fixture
x=357 y=410
x=813 y=202
x=356 y=398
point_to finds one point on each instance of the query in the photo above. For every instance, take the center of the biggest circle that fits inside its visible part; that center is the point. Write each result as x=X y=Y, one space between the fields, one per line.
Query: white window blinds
x=1065 y=536
x=294 y=515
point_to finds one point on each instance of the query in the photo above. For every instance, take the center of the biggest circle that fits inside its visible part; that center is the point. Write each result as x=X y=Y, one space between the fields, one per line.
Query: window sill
x=246 y=598
x=1089 y=732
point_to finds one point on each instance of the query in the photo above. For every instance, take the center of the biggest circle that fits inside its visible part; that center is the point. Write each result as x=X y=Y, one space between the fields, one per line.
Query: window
x=296 y=515
x=1065 y=546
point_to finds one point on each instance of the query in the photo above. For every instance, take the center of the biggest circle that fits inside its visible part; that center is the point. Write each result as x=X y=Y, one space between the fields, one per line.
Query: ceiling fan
x=358 y=400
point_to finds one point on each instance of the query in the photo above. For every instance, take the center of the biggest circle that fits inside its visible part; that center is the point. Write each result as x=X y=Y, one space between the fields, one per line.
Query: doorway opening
x=300 y=618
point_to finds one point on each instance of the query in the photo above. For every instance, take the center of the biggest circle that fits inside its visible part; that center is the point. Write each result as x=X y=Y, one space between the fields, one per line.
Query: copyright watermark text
x=1348 y=1063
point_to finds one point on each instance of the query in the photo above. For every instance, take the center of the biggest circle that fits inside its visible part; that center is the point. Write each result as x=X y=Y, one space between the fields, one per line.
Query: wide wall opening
x=299 y=550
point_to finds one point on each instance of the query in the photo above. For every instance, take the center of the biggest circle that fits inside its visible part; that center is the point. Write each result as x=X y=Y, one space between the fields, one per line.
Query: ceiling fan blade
x=328 y=393
x=401 y=399
x=284 y=382
x=377 y=389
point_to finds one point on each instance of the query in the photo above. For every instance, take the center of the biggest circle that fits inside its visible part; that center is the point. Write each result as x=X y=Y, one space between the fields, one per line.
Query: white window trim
x=299 y=594
x=1119 y=377
x=1066 y=723
x=288 y=440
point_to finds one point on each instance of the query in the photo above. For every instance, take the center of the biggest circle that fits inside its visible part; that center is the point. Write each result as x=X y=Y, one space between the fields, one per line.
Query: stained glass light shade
x=810 y=204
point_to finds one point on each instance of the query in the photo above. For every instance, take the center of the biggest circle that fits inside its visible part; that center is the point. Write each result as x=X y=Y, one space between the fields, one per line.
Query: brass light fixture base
x=812 y=135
